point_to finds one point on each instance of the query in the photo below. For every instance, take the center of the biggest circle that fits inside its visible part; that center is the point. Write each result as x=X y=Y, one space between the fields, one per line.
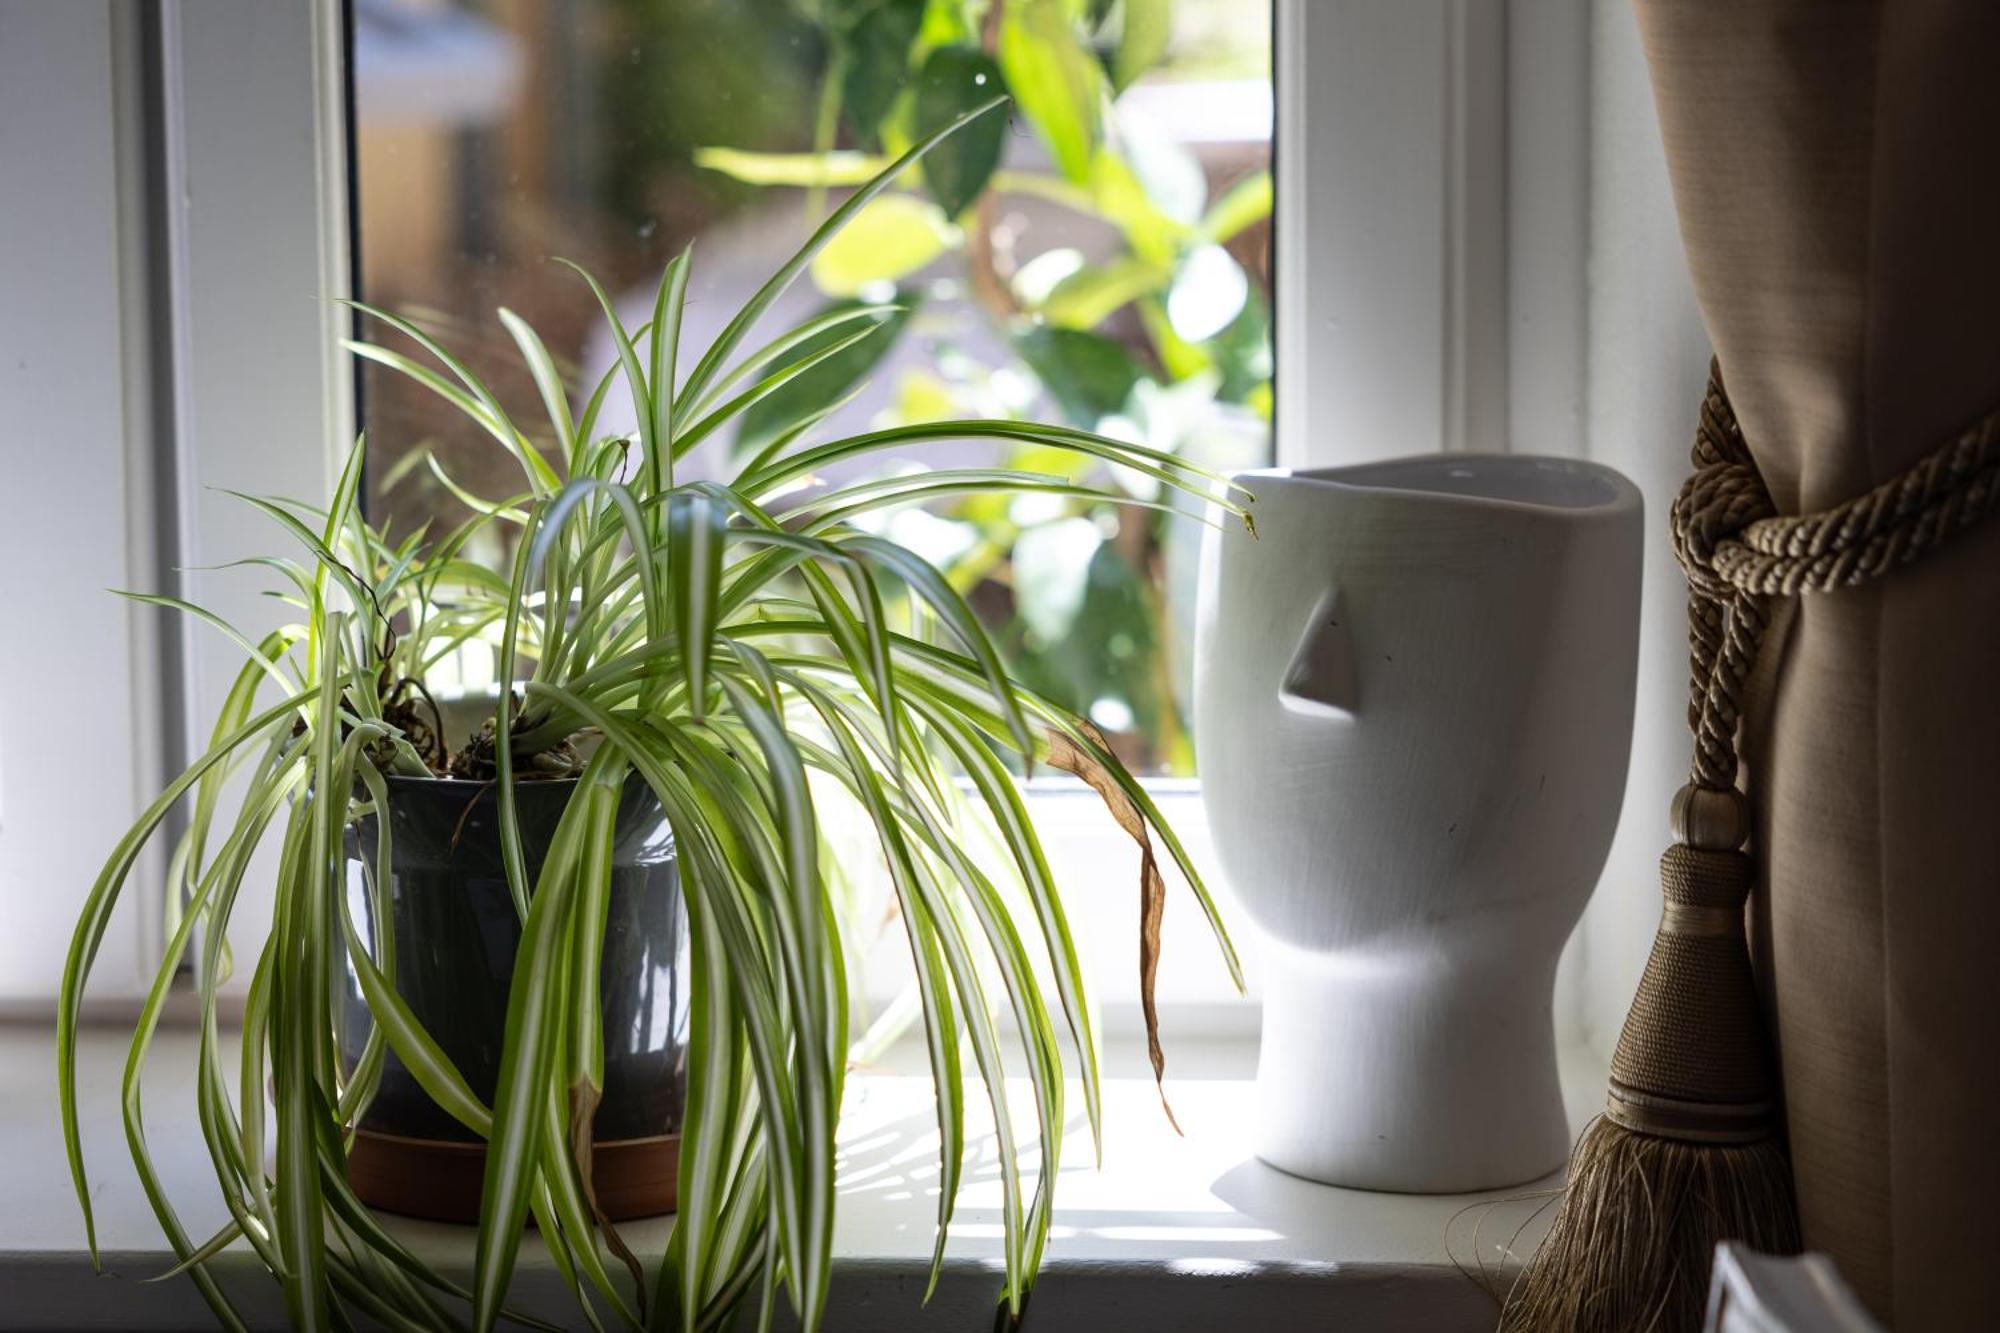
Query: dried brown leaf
x=1064 y=753
x=583 y=1144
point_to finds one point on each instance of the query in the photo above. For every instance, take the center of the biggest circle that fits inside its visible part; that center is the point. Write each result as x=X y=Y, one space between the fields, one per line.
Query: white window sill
x=1187 y=1232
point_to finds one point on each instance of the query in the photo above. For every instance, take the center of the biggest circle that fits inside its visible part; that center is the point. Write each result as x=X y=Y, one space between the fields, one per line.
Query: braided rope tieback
x=1736 y=551
x=1687 y=1152
x=1686 y=1058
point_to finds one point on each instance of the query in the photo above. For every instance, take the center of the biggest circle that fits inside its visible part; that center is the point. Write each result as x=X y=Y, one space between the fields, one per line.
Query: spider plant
x=751 y=655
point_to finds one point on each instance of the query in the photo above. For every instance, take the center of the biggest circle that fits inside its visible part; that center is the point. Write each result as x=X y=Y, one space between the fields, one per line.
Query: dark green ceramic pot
x=456 y=932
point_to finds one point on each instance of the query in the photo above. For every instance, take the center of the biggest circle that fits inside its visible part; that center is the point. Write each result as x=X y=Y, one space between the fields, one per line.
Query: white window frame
x=254 y=113
x=1467 y=122
x=203 y=152
x=1466 y=119
x=74 y=393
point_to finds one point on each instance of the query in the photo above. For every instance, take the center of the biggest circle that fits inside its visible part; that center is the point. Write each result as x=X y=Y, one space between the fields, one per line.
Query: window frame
x=252 y=167
x=1467 y=117
x=75 y=384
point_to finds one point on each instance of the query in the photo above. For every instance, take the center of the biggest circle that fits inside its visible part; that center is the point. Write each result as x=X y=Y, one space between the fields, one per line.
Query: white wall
x=256 y=233
x=78 y=711
x=167 y=256
x=1391 y=230
x=1646 y=362
x=1547 y=217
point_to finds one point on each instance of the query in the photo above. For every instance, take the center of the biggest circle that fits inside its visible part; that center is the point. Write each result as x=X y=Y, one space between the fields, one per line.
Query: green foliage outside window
x=1159 y=335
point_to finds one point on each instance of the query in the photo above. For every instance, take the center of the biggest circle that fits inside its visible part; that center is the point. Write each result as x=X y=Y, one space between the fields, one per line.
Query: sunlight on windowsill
x=1166 y=1218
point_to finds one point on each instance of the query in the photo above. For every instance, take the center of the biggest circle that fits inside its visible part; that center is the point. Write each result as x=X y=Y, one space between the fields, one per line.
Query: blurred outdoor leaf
x=1111 y=650
x=769 y=417
x=1036 y=280
x=1050 y=462
x=1059 y=87
x=922 y=396
x=1120 y=196
x=1089 y=376
x=894 y=235
x=941 y=541
x=1261 y=400
x=1168 y=173
x=954 y=80
x=1087 y=297
x=642 y=112
x=878 y=64
x=752 y=168
x=1051 y=572
x=1242 y=352
x=950 y=21
x=1163 y=415
x=1148 y=24
x=1196 y=370
x=1207 y=293
x=1178 y=357
x=1243 y=204
x=988 y=513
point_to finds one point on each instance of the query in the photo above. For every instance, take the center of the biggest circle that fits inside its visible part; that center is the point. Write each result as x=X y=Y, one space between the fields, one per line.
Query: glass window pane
x=1109 y=269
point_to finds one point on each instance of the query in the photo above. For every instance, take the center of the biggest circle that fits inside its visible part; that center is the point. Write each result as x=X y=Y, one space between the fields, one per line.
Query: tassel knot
x=1719 y=501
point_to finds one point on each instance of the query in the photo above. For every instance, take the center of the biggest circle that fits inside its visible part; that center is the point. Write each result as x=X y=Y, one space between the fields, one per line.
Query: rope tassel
x=1687 y=1151
x=1685 y=1154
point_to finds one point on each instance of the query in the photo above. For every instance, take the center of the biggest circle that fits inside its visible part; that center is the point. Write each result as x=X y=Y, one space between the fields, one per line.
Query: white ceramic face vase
x=1413 y=699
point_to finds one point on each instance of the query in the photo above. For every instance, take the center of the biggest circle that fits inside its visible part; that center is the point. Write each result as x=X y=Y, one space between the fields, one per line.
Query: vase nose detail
x=1320 y=679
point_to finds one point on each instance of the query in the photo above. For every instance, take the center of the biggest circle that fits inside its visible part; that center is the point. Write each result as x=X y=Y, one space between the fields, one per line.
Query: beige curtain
x=1836 y=167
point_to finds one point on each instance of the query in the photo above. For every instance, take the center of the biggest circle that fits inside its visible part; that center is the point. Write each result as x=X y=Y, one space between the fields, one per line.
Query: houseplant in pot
x=452 y=931
x=737 y=662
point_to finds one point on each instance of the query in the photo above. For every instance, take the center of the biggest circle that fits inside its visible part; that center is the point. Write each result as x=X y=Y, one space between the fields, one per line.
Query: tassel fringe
x=1630 y=1248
